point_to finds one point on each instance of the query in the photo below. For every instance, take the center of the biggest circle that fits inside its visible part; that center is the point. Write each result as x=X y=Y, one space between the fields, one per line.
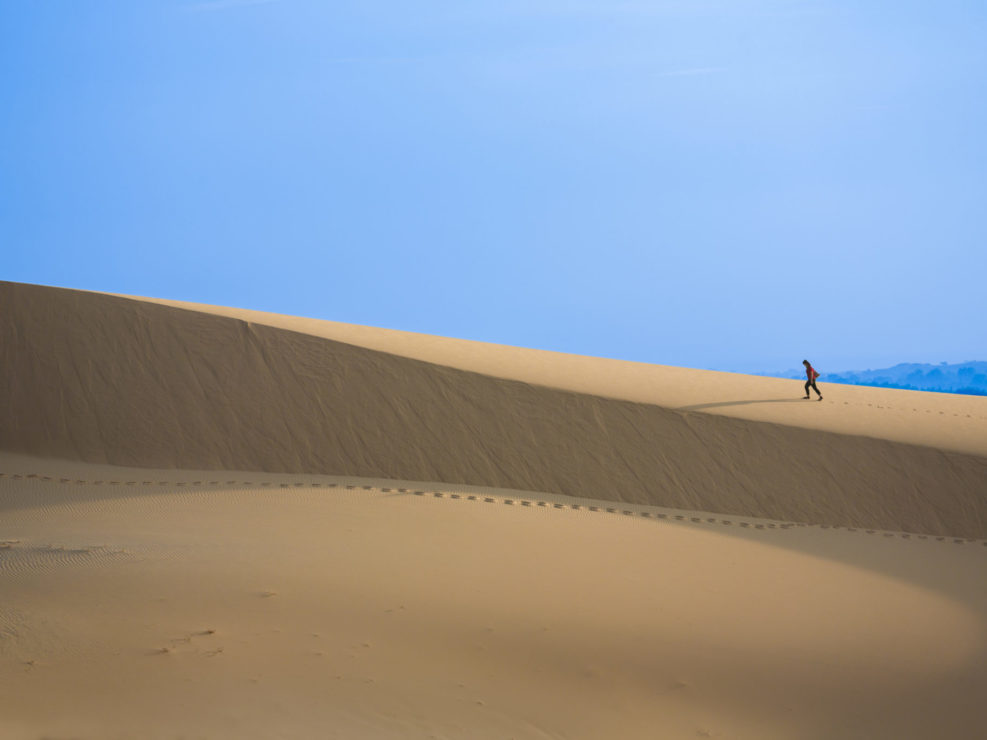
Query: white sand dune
x=221 y=524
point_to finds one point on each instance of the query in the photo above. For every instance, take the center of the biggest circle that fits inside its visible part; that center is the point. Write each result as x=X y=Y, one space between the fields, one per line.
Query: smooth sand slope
x=222 y=524
x=167 y=604
x=101 y=378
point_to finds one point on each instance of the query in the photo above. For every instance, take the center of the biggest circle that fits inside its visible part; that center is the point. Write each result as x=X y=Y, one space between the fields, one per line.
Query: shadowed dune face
x=100 y=378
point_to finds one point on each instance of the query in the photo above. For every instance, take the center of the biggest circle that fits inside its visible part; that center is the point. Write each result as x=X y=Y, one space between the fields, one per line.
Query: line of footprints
x=483 y=499
x=927 y=411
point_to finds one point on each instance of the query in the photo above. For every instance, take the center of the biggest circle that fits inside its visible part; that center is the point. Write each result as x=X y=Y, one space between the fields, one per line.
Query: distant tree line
x=967 y=378
x=968 y=390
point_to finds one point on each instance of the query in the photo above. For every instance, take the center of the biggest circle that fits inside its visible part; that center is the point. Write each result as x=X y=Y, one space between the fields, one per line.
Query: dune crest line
x=104 y=379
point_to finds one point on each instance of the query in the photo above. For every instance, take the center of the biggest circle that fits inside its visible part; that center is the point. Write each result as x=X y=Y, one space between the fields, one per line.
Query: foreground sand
x=165 y=604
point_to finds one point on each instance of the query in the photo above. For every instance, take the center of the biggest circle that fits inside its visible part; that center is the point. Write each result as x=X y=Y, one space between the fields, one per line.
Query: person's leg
x=807 y=388
x=815 y=389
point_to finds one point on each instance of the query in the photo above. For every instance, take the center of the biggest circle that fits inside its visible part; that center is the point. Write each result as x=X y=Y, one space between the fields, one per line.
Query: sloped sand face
x=142 y=603
x=203 y=533
x=100 y=378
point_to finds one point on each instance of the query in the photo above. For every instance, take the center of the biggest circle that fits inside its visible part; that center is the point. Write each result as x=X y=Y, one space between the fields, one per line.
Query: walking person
x=811 y=374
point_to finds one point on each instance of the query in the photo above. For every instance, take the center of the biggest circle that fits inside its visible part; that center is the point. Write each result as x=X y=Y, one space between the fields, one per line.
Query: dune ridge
x=212 y=525
x=105 y=379
x=948 y=422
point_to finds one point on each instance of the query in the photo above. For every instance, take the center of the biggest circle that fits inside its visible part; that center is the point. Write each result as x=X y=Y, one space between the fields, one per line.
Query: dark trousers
x=812 y=384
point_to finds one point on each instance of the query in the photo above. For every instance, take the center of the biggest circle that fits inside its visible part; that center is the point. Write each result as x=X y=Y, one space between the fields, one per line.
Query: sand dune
x=264 y=605
x=218 y=523
x=101 y=378
x=948 y=422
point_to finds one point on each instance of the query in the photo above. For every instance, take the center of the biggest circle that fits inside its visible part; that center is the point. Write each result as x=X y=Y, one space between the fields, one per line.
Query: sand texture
x=100 y=378
x=216 y=523
x=141 y=603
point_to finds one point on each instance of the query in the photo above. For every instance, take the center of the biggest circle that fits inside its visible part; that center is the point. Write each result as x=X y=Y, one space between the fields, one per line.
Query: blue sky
x=732 y=185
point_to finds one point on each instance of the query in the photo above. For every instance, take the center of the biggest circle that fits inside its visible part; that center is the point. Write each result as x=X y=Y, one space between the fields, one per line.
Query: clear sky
x=733 y=184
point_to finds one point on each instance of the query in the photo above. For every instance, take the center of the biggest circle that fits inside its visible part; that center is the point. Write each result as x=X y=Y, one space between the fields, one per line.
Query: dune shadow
x=720 y=404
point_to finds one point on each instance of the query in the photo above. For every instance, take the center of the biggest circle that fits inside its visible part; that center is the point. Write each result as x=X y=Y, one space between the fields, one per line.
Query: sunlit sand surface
x=566 y=562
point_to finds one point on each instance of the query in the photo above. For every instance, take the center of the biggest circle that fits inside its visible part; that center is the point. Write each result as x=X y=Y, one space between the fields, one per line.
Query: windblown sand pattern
x=101 y=378
x=217 y=523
